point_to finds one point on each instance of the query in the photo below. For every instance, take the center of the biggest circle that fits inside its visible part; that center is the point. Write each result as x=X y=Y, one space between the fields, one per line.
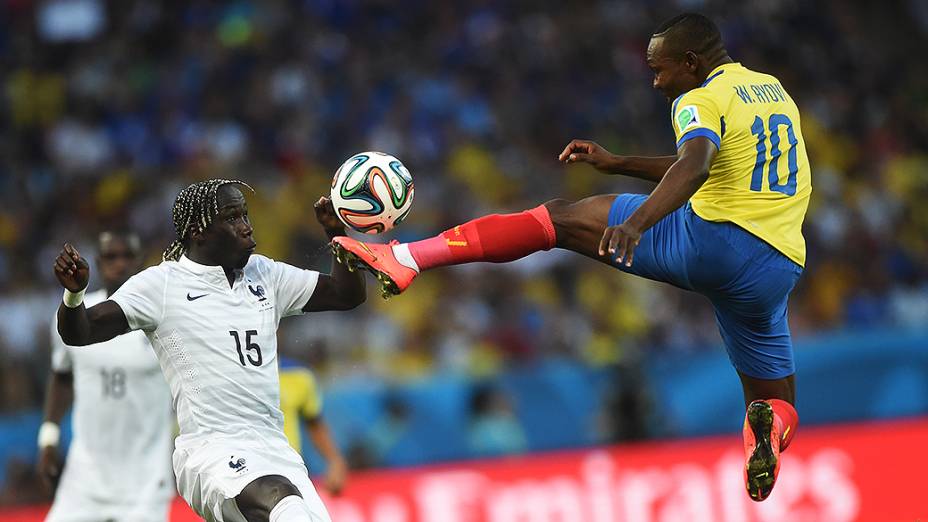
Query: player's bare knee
x=577 y=224
x=259 y=497
x=557 y=208
x=562 y=215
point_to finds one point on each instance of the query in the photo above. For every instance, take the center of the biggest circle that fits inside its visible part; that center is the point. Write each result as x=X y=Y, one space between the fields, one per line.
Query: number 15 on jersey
x=252 y=352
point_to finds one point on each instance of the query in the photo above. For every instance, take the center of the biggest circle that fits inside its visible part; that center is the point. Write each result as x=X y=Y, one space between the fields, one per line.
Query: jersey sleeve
x=61 y=356
x=695 y=114
x=141 y=298
x=292 y=286
x=312 y=405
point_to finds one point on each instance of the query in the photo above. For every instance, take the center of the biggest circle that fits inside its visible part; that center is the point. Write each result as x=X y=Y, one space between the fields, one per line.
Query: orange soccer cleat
x=376 y=258
x=761 y=449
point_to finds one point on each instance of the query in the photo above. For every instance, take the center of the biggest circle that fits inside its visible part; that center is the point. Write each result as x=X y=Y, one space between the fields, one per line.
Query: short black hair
x=691 y=32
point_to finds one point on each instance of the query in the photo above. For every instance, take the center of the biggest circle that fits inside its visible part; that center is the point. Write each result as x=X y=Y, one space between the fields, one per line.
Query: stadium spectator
x=494 y=429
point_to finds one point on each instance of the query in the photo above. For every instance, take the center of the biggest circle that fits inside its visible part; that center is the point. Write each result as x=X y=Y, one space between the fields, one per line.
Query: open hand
x=620 y=241
x=335 y=477
x=587 y=151
x=325 y=215
x=71 y=269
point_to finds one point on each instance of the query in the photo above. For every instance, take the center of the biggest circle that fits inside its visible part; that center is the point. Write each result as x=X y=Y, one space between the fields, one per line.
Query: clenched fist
x=71 y=269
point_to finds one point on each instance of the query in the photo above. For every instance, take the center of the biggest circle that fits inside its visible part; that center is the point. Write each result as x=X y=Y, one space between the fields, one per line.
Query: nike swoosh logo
x=369 y=251
x=194 y=297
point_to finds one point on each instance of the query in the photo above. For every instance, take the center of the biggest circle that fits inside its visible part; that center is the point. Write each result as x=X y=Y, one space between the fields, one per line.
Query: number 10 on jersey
x=252 y=350
x=773 y=177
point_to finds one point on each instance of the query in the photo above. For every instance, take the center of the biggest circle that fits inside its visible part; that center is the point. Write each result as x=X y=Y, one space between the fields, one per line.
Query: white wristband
x=73 y=299
x=49 y=434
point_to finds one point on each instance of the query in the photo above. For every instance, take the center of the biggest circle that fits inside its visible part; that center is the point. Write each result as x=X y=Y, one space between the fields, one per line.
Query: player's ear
x=691 y=61
x=195 y=234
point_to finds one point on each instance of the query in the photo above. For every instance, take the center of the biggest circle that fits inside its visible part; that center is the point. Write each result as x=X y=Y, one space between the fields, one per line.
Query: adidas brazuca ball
x=372 y=192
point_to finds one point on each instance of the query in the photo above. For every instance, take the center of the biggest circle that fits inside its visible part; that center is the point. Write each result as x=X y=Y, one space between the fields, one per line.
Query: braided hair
x=195 y=207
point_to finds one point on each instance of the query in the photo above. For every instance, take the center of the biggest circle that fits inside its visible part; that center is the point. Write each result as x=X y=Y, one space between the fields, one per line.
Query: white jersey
x=217 y=344
x=122 y=423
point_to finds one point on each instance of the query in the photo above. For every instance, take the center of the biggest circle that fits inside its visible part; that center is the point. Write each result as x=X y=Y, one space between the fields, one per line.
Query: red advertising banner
x=836 y=474
x=863 y=472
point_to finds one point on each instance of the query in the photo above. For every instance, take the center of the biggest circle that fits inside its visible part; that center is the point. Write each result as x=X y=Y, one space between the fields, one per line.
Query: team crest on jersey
x=260 y=296
x=237 y=465
x=687 y=117
x=257 y=291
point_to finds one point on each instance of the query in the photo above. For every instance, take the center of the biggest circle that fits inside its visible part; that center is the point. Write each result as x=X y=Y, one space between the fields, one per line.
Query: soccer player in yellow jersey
x=724 y=220
x=301 y=401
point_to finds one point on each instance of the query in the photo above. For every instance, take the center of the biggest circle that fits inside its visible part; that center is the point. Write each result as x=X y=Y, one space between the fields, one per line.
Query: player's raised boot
x=378 y=259
x=761 y=449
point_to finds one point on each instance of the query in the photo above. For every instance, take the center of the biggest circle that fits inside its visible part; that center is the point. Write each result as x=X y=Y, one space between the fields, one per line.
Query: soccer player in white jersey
x=211 y=311
x=119 y=462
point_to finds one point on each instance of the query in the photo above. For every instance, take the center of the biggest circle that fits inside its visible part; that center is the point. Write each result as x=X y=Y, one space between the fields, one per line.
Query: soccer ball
x=372 y=192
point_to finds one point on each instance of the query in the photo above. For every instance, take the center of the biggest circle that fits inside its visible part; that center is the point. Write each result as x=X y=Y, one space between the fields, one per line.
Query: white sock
x=291 y=509
x=404 y=256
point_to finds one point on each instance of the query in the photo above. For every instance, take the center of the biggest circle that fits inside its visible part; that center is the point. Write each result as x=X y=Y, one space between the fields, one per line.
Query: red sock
x=787 y=418
x=496 y=238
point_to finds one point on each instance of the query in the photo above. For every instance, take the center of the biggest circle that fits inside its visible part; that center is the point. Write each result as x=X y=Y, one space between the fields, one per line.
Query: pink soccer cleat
x=377 y=259
x=761 y=450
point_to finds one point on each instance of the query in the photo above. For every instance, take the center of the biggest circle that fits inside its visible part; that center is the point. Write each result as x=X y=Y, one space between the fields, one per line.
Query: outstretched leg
x=497 y=238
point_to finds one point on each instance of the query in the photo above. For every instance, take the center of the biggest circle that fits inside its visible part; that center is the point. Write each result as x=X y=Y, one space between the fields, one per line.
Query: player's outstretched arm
x=340 y=289
x=682 y=180
x=641 y=167
x=77 y=325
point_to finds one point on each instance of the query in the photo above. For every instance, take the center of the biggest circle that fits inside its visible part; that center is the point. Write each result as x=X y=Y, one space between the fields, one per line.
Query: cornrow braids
x=194 y=208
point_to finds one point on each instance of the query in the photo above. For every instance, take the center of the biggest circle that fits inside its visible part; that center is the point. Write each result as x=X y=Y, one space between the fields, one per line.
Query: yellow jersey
x=760 y=179
x=299 y=399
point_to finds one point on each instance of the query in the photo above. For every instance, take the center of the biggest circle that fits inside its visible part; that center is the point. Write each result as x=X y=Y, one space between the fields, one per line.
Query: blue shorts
x=747 y=280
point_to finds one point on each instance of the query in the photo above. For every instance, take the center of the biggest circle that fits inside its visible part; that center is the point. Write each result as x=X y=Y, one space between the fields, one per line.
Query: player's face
x=673 y=75
x=229 y=236
x=117 y=261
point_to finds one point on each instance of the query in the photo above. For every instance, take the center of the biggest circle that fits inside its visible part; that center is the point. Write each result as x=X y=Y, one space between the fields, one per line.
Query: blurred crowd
x=108 y=109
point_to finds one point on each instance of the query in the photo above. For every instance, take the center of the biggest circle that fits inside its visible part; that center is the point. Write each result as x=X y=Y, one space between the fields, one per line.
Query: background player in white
x=119 y=462
x=211 y=312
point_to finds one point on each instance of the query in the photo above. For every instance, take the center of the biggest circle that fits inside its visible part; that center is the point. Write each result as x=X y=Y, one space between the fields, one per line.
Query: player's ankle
x=404 y=256
x=787 y=420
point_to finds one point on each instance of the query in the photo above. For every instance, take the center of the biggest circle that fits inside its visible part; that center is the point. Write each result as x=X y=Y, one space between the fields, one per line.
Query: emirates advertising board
x=863 y=472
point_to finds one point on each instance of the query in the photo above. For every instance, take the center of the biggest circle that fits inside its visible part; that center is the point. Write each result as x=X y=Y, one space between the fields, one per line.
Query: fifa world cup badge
x=687 y=117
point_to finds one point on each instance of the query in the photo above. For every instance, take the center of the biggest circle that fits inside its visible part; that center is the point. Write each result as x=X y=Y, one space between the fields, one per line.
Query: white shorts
x=211 y=473
x=78 y=499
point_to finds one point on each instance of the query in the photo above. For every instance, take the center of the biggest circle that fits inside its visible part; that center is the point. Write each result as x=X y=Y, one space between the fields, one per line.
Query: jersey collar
x=211 y=273
x=720 y=69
